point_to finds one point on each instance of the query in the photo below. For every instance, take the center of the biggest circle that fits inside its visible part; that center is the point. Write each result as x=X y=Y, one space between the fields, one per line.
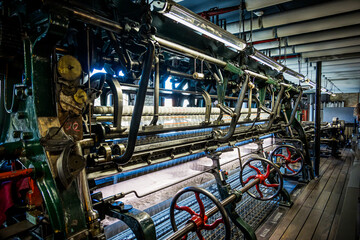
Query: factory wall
x=350 y=99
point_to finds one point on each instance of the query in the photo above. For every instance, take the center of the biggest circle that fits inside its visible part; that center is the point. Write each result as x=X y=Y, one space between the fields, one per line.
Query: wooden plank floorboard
x=324 y=197
x=335 y=223
x=267 y=229
x=313 y=197
x=318 y=188
x=311 y=224
x=285 y=222
x=317 y=199
x=293 y=230
x=316 y=210
x=324 y=226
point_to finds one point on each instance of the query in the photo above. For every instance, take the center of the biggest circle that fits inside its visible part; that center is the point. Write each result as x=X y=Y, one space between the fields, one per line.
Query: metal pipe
x=176 y=73
x=84 y=193
x=164 y=90
x=250 y=103
x=257 y=75
x=139 y=104
x=190 y=226
x=85 y=16
x=235 y=118
x=169 y=111
x=189 y=52
x=317 y=118
x=156 y=92
x=170 y=129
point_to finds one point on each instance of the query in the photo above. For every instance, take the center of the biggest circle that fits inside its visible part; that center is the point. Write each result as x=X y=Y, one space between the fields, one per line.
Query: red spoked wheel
x=200 y=219
x=268 y=177
x=288 y=158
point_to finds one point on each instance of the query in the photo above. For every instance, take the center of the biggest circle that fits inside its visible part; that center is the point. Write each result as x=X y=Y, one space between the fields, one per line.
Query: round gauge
x=69 y=68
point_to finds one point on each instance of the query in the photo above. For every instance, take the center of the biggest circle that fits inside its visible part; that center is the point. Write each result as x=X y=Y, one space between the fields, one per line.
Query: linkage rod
x=189 y=52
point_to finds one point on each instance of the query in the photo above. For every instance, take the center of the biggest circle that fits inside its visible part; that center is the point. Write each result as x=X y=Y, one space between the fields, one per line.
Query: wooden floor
x=317 y=206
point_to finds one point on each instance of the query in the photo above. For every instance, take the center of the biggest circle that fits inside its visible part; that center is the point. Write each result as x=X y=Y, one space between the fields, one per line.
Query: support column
x=317 y=118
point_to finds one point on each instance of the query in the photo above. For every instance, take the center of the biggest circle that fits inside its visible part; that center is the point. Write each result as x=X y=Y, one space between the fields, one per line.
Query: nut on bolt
x=17 y=134
x=22 y=115
x=27 y=135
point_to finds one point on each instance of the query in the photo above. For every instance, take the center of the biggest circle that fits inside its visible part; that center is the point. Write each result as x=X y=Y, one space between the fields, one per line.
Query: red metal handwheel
x=200 y=219
x=268 y=177
x=289 y=158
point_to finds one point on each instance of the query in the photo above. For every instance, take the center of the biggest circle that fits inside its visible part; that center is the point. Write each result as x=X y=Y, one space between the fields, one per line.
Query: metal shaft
x=85 y=16
x=189 y=52
x=156 y=92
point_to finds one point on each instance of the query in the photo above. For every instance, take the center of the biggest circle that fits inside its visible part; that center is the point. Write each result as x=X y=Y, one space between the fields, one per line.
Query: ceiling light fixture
x=184 y=16
x=312 y=84
x=294 y=74
x=259 y=56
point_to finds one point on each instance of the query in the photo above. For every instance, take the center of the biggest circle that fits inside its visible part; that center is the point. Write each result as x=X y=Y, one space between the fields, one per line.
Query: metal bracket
x=138 y=221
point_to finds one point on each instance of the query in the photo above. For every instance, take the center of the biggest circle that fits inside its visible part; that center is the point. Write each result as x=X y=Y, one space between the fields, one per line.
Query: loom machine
x=66 y=129
x=333 y=134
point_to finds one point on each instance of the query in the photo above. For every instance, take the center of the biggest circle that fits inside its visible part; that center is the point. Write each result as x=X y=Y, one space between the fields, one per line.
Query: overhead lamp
x=259 y=56
x=323 y=89
x=184 y=16
x=333 y=94
x=294 y=74
x=312 y=84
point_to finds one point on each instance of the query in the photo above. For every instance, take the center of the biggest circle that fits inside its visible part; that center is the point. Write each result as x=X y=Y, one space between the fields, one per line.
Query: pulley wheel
x=199 y=218
x=267 y=175
x=288 y=158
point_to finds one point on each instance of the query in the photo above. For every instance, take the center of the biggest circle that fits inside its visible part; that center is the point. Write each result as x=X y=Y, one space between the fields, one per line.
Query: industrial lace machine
x=67 y=130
